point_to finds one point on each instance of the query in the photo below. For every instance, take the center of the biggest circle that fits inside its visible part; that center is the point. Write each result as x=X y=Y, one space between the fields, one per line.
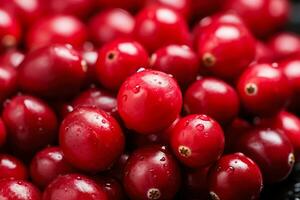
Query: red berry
x=8 y=81
x=12 y=58
x=263 y=53
x=56 y=29
x=183 y=7
x=235 y=177
x=112 y=188
x=3 y=133
x=178 y=60
x=149 y=101
x=90 y=56
x=18 y=190
x=30 y=122
x=47 y=165
x=197 y=140
x=91 y=139
x=158 y=26
x=119 y=59
x=11 y=167
x=74 y=187
x=58 y=70
x=115 y=23
x=270 y=149
x=212 y=97
x=151 y=173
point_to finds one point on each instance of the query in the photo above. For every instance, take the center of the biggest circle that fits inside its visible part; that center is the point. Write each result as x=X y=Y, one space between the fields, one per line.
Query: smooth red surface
x=3 y=133
x=59 y=71
x=8 y=81
x=151 y=173
x=48 y=164
x=197 y=140
x=30 y=122
x=112 y=188
x=149 y=101
x=235 y=177
x=74 y=187
x=119 y=59
x=12 y=58
x=11 y=167
x=91 y=139
x=212 y=97
x=263 y=53
x=183 y=7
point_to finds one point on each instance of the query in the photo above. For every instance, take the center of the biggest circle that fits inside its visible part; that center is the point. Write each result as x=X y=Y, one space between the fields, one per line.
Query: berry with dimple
x=8 y=81
x=11 y=167
x=149 y=101
x=197 y=140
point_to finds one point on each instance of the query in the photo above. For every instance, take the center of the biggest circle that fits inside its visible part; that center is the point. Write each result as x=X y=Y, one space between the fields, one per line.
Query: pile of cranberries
x=147 y=99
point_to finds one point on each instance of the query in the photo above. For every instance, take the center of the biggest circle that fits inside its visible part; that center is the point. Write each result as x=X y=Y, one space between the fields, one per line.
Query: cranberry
x=3 y=133
x=154 y=25
x=197 y=140
x=226 y=48
x=263 y=17
x=8 y=81
x=151 y=173
x=58 y=70
x=12 y=58
x=90 y=56
x=30 y=122
x=97 y=98
x=119 y=59
x=204 y=95
x=270 y=149
x=47 y=165
x=74 y=187
x=149 y=101
x=177 y=60
x=56 y=29
x=263 y=53
x=11 y=167
x=18 y=190
x=115 y=23
x=181 y=6
x=91 y=139
x=112 y=188
x=235 y=177
x=10 y=30
x=132 y=5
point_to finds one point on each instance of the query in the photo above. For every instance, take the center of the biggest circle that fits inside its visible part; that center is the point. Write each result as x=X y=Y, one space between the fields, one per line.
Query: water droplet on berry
x=136 y=89
x=200 y=127
x=124 y=97
x=163 y=159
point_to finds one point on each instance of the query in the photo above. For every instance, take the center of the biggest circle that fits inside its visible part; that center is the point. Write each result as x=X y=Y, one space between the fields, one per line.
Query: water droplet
x=230 y=169
x=141 y=69
x=162 y=159
x=103 y=121
x=136 y=89
x=67 y=128
x=186 y=123
x=200 y=127
x=124 y=97
x=170 y=75
x=203 y=117
x=108 y=184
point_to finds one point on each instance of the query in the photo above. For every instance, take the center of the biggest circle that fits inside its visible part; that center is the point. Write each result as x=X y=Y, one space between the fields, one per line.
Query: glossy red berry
x=61 y=73
x=149 y=101
x=12 y=58
x=115 y=23
x=154 y=25
x=14 y=189
x=204 y=97
x=30 y=122
x=264 y=54
x=60 y=29
x=111 y=187
x=8 y=81
x=151 y=173
x=178 y=60
x=270 y=150
x=48 y=164
x=235 y=177
x=263 y=89
x=91 y=139
x=74 y=187
x=263 y=17
x=119 y=59
x=11 y=167
x=197 y=140
x=183 y=7
x=3 y=133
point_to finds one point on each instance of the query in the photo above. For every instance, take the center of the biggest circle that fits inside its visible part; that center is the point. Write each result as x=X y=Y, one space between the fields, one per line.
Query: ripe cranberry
x=10 y=30
x=97 y=98
x=47 y=165
x=149 y=101
x=183 y=7
x=11 y=167
x=263 y=53
x=263 y=89
x=115 y=23
x=154 y=25
x=31 y=123
x=12 y=58
x=201 y=8
x=74 y=187
x=263 y=17
x=8 y=81
x=56 y=29
x=132 y=5
x=111 y=187
x=197 y=140
x=90 y=56
x=18 y=190
x=235 y=177
x=58 y=70
x=151 y=173
x=177 y=60
x=226 y=48
x=285 y=45
x=3 y=133
x=91 y=139
x=204 y=95
x=119 y=59
x=270 y=149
